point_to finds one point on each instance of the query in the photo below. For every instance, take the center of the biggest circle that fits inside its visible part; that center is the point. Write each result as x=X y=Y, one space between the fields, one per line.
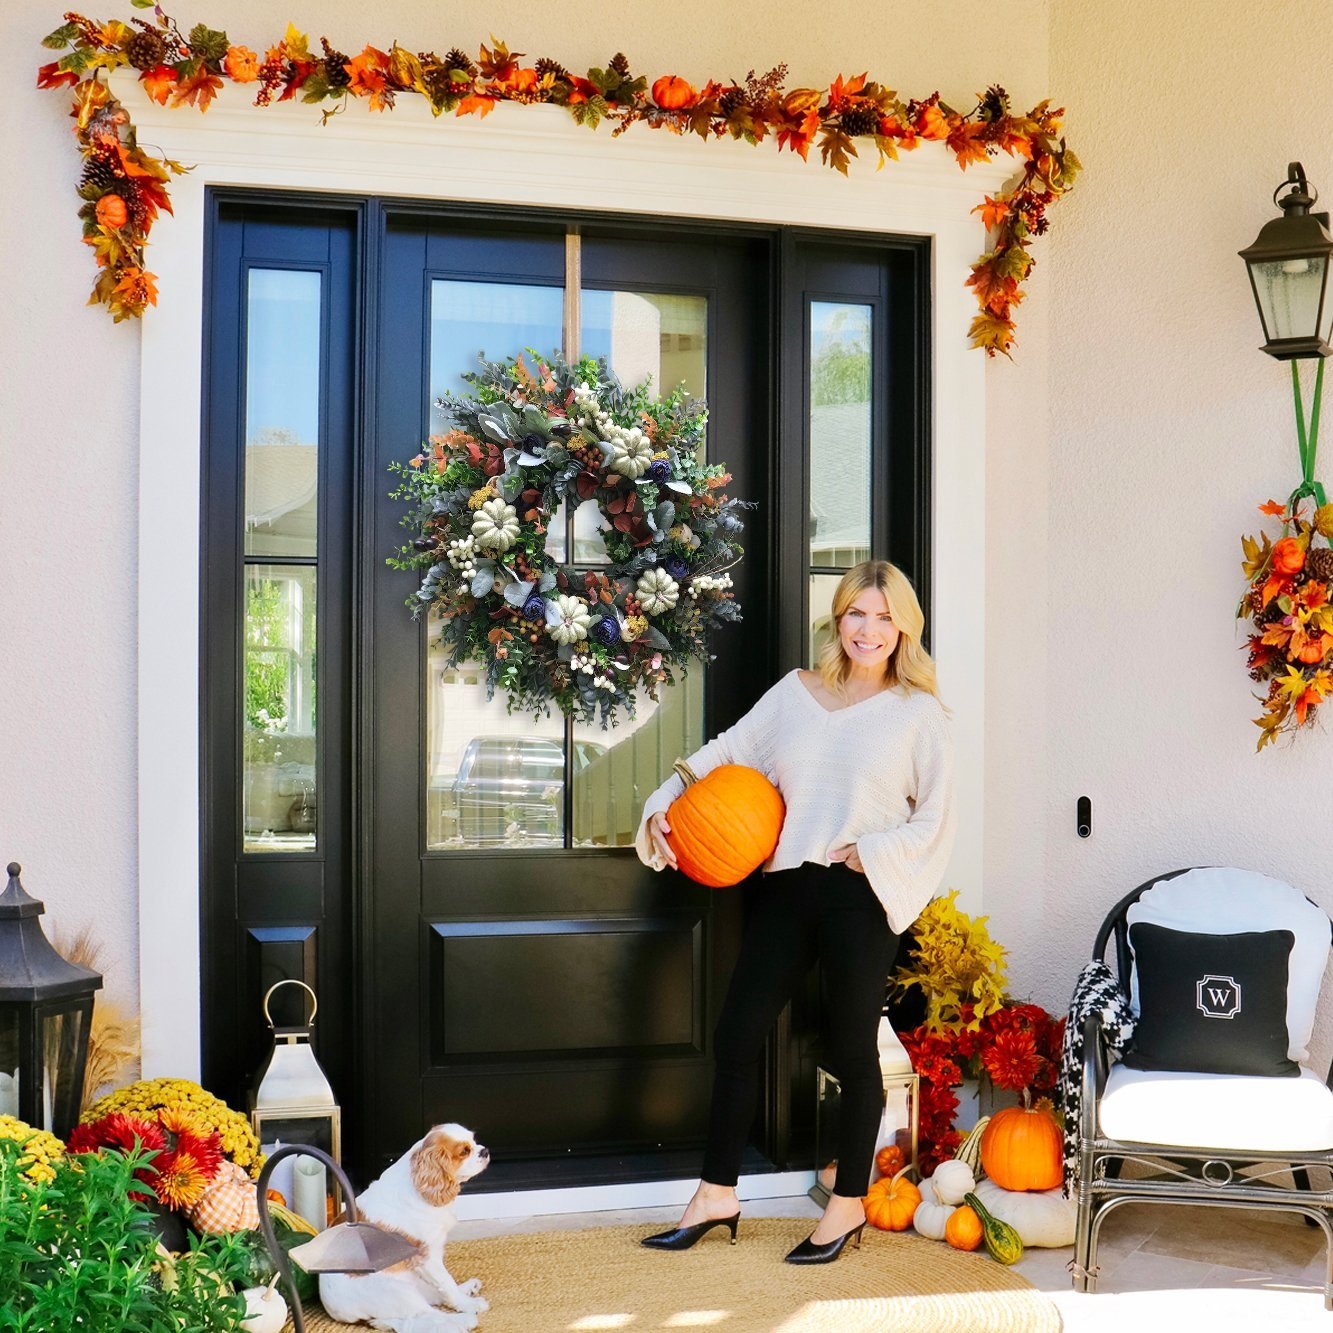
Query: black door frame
x=900 y=531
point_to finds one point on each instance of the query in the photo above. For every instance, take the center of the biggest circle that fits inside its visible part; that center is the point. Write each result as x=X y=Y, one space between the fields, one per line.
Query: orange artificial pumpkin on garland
x=111 y=211
x=892 y=1203
x=672 y=93
x=724 y=825
x=1021 y=1149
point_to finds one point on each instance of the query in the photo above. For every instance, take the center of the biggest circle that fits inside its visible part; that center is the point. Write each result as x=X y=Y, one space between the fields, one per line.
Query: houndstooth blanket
x=1097 y=991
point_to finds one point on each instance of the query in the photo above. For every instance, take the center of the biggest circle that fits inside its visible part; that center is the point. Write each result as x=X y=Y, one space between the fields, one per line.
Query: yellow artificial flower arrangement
x=955 y=963
x=157 y=1098
x=40 y=1149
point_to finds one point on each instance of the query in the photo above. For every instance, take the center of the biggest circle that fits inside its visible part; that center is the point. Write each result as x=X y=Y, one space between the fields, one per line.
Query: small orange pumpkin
x=963 y=1229
x=1021 y=1149
x=725 y=824
x=892 y=1203
x=672 y=93
x=889 y=1160
x=111 y=211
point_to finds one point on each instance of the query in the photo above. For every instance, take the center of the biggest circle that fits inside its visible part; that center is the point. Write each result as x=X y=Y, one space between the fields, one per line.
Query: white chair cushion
x=1231 y=1111
x=1220 y=900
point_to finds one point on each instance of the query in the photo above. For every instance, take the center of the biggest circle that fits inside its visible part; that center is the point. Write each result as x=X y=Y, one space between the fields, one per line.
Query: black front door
x=456 y=883
x=531 y=978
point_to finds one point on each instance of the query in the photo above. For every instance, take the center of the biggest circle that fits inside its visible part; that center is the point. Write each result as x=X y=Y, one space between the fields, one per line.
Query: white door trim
x=522 y=156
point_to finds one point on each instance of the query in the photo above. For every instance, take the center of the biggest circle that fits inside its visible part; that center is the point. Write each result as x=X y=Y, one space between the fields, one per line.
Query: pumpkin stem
x=683 y=771
x=1027 y=1099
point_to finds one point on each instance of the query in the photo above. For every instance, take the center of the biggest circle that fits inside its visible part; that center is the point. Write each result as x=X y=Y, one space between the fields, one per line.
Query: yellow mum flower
x=40 y=1149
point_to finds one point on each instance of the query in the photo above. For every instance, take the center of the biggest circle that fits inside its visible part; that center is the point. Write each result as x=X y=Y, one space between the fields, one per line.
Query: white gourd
x=265 y=1310
x=952 y=1180
x=1042 y=1218
x=657 y=591
x=931 y=1215
x=495 y=525
x=574 y=620
x=631 y=455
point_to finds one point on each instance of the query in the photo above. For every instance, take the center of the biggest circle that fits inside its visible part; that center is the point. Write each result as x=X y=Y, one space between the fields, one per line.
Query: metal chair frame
x=1185 y=1175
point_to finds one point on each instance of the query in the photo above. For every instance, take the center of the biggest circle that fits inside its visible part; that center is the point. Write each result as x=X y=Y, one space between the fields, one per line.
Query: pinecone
x=730 y=100
x=146 y=50
x=860 y=120
x=334 y=66
x=97 y=173
x=457 y=59
x=620 y=64
x=552 y=67
x=1319 y=564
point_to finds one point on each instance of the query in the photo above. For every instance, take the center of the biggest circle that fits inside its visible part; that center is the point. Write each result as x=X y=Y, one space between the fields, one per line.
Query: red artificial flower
x=1012 y=1060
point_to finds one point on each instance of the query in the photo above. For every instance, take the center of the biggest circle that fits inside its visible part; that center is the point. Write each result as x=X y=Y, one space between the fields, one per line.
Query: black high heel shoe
x=807 y=1252
x=681 y=1238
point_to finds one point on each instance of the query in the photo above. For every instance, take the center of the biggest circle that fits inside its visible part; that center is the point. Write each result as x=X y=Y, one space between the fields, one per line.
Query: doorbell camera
x=1083 y=817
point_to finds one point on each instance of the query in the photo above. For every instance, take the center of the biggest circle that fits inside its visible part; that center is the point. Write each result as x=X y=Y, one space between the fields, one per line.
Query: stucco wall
x=1167 y=428
x=69 y=391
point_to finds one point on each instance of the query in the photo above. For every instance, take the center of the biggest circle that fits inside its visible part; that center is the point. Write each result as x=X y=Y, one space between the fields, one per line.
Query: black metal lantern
x=1289 y=264
x=46 y=1009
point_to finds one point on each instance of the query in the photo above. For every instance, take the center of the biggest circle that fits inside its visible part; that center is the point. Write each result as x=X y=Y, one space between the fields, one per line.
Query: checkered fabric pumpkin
x=228 y=1204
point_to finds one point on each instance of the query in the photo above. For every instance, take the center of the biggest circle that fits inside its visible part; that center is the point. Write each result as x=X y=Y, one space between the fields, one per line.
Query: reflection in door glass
x=490 y=319
x=840 y=419
x=642 y=335
x=278 y=783
x=282 y=355
x=493 y=779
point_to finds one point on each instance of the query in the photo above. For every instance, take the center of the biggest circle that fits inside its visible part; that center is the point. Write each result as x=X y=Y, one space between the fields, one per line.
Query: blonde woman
x=860 y=751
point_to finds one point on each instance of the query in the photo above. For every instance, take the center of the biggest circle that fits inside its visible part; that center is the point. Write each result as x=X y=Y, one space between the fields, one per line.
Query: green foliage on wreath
x=481 y=499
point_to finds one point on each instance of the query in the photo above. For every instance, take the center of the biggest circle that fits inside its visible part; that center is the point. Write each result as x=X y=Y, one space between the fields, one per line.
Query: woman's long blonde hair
x=909 y=665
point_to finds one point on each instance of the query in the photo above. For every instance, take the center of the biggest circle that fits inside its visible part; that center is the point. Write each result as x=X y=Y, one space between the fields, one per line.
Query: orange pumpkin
x=891 y=1203
x=1021 y=1149
x=111 y=211
x=963 y=1229
x=672 y=93
x=725 y=825
x=889 y=1160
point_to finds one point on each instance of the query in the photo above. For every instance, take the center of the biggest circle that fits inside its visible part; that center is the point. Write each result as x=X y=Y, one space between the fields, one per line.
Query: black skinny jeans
x=829 y=913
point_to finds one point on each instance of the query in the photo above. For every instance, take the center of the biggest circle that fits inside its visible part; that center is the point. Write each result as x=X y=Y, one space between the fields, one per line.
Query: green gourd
x=1002 y=1241
x=969 y=1150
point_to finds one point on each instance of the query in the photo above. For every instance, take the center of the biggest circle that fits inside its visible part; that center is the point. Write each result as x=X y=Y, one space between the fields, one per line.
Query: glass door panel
x=494 y=779
x=840 y=433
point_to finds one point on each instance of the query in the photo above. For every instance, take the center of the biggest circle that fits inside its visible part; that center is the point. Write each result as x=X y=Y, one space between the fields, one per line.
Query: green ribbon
x=1307 y=442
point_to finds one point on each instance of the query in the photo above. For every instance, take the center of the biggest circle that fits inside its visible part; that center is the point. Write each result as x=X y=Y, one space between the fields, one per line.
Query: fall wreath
x=533 y=440
x=124 y=186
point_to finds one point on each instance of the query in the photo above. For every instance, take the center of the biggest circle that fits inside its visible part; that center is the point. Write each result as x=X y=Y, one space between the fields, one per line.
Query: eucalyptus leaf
x=678 y=486
x=493 y=428
x=565 y=652
x=665 y=514
x=517 y=593
x=658 y=639
x=530 y=460
x=547 y=582
x=482 y=582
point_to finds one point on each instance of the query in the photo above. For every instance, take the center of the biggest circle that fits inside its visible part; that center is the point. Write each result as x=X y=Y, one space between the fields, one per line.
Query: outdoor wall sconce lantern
x=294 y=1104
x=352 y=1246
x=1288 y=266
x=46 y=1009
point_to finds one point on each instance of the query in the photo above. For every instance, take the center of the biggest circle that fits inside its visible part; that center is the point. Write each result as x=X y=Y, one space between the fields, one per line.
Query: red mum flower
x=1012 y=1060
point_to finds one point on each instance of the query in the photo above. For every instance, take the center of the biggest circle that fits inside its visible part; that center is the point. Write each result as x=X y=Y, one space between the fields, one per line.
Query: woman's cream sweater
x=878 y=773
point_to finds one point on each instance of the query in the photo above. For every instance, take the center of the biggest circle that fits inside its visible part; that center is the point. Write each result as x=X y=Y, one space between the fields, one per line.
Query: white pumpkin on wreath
x=572 y=619
x=495 y=525
x=657 y=591
x=631 y=454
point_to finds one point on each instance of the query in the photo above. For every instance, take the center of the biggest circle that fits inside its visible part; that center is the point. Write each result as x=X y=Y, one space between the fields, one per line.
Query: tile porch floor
x=1182 y=1269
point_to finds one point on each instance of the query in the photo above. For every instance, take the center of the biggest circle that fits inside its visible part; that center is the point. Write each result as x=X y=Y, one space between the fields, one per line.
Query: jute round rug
x=592 y=1281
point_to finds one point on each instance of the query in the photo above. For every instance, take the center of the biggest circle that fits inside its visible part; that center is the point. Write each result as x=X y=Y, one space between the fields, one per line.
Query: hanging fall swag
x=124 y=187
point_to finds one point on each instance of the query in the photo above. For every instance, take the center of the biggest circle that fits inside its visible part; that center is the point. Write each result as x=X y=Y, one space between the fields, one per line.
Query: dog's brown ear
x=434 y=1168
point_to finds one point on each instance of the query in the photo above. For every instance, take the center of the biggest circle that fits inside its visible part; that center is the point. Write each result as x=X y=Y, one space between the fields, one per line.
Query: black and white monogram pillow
x=1212 y=1004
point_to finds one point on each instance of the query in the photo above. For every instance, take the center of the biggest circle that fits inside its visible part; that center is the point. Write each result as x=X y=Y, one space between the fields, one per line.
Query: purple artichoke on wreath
x=535 y=608
x=607 y=632
x=659 y=471
x=676 y=567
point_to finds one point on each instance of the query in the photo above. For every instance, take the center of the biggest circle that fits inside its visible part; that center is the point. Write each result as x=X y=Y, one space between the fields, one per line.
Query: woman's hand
x=658 y=828
x=850 y=856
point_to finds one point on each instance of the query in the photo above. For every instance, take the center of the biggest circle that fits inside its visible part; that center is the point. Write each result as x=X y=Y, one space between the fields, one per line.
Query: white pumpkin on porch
x=1042 y=1218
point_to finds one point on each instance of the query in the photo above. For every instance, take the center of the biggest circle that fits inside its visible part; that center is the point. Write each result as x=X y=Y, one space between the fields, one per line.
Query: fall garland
x=529 y=443
x=124 y=187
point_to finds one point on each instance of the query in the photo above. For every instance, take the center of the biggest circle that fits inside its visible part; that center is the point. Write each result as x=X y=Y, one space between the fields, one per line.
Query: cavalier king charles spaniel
x=415 y=1197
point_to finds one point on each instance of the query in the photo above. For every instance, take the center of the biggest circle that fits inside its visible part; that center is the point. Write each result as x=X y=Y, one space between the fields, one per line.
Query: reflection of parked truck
x=504 y=781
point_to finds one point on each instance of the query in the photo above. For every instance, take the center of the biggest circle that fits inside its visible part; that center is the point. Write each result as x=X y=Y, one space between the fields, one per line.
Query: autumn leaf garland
x=177 y=68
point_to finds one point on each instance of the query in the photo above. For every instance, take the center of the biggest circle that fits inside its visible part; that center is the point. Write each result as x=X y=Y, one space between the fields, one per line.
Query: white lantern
x=294 y=1104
